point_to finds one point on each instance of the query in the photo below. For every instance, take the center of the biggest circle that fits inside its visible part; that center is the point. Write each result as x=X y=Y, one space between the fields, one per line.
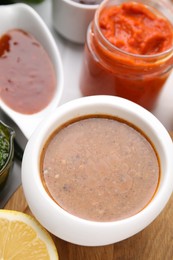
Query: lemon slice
x=23 y=238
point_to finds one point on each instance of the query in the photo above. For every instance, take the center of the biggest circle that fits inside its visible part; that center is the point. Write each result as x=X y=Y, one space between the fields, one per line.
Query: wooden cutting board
x=155 y=242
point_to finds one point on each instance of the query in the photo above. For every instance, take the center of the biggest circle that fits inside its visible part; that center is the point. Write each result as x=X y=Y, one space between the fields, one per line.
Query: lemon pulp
x=22 y=237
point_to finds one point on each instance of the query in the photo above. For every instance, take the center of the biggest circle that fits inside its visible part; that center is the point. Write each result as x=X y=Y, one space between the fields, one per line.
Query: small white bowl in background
x=74 y=229
x=71 y=18
x=22 y=16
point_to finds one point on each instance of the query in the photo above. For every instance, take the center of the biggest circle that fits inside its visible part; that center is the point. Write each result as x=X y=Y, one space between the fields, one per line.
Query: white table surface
x=71 y=55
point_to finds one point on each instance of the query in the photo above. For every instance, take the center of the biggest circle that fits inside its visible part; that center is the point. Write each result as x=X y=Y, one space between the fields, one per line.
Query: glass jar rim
x=11 y=133
x=114 y=48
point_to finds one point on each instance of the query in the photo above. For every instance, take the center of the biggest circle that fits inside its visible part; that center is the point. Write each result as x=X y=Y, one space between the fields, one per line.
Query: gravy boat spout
x=24 y=17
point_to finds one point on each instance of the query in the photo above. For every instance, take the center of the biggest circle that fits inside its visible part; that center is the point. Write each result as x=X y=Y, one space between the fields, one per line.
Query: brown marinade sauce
x=100 y=168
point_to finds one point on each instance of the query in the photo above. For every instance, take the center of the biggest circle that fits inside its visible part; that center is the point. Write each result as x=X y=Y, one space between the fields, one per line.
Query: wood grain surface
x=153 y=243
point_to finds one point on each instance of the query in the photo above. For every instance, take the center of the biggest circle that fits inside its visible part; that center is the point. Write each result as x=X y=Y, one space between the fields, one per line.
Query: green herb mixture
x=4 y=148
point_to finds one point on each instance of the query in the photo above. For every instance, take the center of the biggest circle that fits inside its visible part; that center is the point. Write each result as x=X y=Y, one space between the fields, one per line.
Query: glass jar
x=110 y=70
x=6 y=152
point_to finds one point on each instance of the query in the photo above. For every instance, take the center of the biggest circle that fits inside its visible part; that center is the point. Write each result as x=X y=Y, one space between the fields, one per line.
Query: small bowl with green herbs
x=6 y=152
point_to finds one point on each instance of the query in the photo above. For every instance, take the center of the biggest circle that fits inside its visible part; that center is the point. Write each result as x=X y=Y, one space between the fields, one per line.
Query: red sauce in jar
x=135 y=29
x=27 y=77
x=125 y=53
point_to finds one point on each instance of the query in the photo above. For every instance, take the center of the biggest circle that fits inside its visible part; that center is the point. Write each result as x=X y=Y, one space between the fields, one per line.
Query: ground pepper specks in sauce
x=27 y=78
x=100 y=169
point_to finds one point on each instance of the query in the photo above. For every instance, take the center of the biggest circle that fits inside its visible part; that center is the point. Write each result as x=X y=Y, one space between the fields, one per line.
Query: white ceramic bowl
x=80 y=231
x=22 y=16
x=71 y=19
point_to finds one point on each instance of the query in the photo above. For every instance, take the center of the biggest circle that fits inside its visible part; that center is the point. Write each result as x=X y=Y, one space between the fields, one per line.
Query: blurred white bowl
x=71 y=18
x=22 y=16
x=77 y=230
